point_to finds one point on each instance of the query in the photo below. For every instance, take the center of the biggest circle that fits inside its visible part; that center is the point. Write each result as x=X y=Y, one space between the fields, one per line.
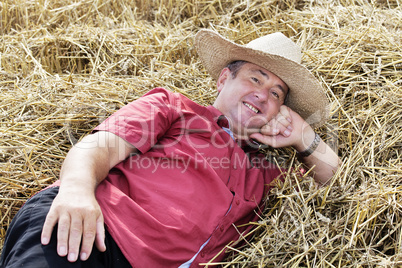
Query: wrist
x=76 y=184
x=306 y=138
x=311 y=148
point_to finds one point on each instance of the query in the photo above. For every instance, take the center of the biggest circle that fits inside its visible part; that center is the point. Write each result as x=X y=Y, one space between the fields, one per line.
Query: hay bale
x=67 y=65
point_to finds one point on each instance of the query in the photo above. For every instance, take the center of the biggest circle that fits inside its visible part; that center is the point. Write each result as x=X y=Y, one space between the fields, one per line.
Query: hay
x=67 y=65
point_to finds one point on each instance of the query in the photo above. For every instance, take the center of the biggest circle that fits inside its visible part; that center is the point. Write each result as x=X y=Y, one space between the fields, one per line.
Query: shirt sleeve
x=144 y=121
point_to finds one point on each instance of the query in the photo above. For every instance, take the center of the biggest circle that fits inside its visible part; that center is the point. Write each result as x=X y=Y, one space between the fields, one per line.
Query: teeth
x=252 y=108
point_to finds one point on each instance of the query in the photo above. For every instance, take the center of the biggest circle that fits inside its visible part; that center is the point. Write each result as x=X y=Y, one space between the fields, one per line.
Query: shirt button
x=222 y=228
x=202 y=254
x=231 y=189
x=237 y=202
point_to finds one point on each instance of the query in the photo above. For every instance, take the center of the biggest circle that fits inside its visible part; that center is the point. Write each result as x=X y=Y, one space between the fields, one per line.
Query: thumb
x=265 y=139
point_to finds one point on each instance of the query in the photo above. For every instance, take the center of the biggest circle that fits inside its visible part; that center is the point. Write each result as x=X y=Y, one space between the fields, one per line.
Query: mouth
x=252 y=108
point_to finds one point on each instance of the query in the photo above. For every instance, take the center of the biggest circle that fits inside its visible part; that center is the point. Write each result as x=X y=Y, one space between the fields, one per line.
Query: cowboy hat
x=275 y=53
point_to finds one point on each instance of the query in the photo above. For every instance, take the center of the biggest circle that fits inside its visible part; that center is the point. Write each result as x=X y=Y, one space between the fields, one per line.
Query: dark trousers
x=22 y=246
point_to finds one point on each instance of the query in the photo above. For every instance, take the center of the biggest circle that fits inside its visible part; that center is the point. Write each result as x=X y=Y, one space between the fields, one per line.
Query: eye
x=255 y=79
x=275 y=94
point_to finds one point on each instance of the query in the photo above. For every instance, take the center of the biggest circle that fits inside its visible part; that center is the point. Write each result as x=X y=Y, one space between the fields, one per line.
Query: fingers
x=265 y=139
x=47 y=230
x=281 y=124
x=74 y=240
x=283 y=121
x=277 y=126
x=287 y=128
x=86 y=228
x=62 y=235
x=278 y=131
x=100 y=234
x=284 y=114
x=94 y=232
x=76 y=232
x=88 y=235
x=63 y=229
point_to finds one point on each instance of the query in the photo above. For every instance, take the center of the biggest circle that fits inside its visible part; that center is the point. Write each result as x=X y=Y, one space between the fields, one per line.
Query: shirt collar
x=215 y=112
x=248 y=146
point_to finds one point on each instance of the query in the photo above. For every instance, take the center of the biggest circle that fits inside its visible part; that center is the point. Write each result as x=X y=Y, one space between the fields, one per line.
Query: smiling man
x=251 y=98
x=166 y=182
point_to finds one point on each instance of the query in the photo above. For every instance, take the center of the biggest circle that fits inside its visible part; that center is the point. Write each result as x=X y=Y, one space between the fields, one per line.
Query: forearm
x=84 y=167
x=89 y=161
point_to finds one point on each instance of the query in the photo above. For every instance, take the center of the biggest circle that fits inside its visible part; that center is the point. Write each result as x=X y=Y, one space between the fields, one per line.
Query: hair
x=235 y=66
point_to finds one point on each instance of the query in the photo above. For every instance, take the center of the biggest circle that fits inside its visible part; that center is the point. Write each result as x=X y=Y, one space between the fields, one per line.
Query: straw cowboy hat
x=277 y=54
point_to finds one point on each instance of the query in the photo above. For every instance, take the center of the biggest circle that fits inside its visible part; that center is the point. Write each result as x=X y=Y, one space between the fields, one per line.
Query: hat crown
x=277 y=44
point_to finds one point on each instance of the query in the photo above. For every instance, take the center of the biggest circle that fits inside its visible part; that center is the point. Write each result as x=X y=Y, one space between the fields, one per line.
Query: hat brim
x=306 y=96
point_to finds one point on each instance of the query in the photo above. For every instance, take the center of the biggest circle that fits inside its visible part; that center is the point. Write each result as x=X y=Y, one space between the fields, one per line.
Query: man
x=173 y=181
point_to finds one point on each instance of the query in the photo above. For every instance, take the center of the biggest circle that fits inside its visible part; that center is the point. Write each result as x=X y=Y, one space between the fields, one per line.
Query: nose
x=261 y=95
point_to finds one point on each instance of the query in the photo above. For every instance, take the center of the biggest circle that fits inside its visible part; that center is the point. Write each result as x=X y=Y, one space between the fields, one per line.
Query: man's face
x=251 y=99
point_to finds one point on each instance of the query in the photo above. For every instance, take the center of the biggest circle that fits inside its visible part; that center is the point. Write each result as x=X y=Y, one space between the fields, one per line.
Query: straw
x=67 y=65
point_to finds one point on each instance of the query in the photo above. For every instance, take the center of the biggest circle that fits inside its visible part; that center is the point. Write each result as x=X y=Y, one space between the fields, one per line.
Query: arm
x=290 y=129
x=324 y=160
x=75 y=208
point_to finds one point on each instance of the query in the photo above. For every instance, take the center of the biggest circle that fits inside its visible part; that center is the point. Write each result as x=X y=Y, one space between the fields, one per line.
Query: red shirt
x=190 y=183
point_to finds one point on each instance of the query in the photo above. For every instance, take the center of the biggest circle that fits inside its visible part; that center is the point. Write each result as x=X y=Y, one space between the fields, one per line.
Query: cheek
x=273 y=110
x=276 y=105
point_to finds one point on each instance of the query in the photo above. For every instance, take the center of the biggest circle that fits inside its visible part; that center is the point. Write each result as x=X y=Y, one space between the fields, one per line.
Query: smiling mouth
x=252 y=108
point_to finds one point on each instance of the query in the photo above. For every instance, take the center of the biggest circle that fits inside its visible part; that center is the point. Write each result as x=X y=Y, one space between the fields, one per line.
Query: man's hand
x=80 y=222
x=287 y=129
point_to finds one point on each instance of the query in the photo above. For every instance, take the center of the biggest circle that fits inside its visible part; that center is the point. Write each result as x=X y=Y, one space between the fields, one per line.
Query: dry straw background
x=66 y=65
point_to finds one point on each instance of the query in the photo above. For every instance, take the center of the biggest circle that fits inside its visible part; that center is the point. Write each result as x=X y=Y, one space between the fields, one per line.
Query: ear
x=222 y=78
